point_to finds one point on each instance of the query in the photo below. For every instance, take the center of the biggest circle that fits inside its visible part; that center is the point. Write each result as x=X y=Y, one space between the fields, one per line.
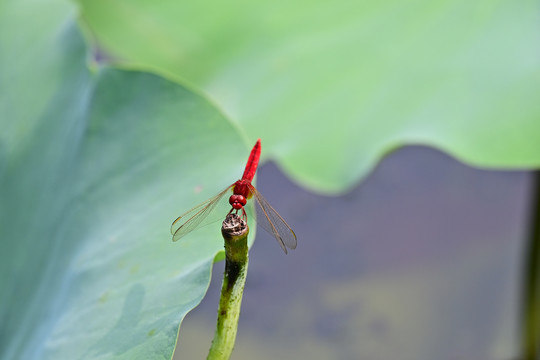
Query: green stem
x=531 y=288
x=236 y=264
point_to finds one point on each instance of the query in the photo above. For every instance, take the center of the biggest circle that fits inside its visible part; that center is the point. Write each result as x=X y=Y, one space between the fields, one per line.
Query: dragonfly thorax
x=241 y=187
x=237 y=201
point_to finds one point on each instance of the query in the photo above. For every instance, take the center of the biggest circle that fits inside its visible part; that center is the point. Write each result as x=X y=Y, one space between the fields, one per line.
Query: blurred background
x=420 y=261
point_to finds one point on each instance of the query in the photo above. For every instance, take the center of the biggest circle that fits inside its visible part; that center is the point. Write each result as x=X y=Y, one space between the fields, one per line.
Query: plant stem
x=234 y=278
x=531 y=278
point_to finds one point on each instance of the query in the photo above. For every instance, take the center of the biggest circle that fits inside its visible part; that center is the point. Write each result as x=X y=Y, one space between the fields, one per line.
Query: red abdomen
x=253 y=161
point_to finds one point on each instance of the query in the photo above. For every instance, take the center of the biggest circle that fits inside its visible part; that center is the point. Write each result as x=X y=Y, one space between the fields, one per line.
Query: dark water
x=420 y=261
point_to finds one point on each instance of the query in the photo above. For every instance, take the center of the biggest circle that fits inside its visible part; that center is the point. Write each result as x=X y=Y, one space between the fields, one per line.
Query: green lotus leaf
x=333 y=86
x=94 y=167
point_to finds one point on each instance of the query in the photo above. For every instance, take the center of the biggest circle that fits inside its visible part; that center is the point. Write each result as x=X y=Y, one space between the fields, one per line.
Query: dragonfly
x=242 y=190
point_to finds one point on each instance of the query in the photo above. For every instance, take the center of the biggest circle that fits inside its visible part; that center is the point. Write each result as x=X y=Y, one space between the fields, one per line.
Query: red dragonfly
x=213 y=209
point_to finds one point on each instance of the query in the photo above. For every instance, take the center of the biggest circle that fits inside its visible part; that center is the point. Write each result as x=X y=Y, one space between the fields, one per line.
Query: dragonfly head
x=237 y=201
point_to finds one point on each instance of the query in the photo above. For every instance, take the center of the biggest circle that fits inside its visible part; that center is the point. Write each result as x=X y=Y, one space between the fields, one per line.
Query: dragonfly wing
x=272 y=222
x=208 y=212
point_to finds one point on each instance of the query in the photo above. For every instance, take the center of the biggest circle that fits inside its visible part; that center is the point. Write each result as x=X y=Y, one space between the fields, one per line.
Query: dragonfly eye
x=237 y=201
x=242 y=200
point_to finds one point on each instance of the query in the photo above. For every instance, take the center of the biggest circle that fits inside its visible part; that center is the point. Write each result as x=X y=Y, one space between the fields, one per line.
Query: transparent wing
x=210 y=211
x=272 y=222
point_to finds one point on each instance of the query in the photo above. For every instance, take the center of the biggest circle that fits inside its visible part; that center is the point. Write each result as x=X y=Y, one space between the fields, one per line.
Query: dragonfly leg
x=235 y=211
x=244 y=214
